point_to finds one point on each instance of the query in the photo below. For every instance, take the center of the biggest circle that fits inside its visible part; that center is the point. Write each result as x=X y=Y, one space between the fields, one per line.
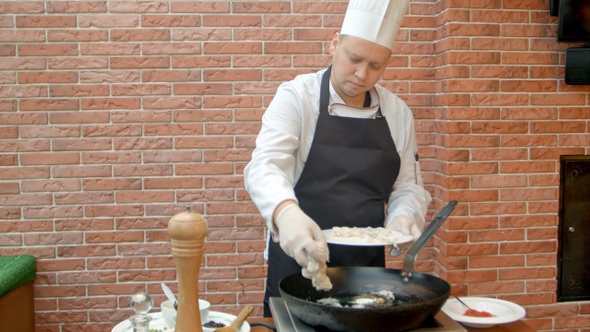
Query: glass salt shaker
x=141 y=303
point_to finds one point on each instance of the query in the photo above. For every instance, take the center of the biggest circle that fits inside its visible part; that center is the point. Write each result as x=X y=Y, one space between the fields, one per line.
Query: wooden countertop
x=518 y=326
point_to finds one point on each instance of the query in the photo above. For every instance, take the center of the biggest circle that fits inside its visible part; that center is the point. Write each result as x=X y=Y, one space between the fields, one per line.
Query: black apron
x=346 y=181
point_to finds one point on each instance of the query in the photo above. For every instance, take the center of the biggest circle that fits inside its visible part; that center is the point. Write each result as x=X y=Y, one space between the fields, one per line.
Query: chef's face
x=357 y=65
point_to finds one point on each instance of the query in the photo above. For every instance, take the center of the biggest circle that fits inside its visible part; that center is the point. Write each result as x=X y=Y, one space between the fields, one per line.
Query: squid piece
x=316 y=271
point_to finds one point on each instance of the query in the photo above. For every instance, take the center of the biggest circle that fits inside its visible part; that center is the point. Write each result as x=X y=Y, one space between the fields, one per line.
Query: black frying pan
x=420 y=295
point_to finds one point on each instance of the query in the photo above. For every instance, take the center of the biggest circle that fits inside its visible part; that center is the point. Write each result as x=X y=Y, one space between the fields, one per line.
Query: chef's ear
x=334 y=43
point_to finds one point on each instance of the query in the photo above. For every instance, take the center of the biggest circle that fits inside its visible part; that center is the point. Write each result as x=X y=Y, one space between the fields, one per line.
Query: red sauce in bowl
x=477 y=313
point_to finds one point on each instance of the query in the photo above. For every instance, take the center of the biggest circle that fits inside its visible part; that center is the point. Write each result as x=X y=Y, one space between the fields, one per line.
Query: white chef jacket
x=286 y=135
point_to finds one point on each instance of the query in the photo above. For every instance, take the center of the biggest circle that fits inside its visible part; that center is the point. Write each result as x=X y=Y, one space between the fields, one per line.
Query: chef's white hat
x=377 y=21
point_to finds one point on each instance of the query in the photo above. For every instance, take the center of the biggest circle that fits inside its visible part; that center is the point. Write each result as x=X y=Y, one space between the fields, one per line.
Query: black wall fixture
x=573 y=265
x=554 y=7
x=577 y=66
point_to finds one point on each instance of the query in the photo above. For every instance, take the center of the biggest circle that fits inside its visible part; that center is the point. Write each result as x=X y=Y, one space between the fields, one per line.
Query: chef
x=337 y=149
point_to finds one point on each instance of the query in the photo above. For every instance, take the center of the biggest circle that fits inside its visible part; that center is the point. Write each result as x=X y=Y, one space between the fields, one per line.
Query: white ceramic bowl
x=204 y=309
x=169 y=313
x=503 y=311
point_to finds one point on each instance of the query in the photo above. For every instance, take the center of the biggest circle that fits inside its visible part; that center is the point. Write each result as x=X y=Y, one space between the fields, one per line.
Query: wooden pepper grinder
x=187 y=231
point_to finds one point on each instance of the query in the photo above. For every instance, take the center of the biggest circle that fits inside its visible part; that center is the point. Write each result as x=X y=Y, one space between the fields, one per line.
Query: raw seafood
x=371 y=300
x=367 y=234
x=316 y=271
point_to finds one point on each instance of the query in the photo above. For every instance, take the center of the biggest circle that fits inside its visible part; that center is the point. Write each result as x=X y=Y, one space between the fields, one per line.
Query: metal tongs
x=435 y=224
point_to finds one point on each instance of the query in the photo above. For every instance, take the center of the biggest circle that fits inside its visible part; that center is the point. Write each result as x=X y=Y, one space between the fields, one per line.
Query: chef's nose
x=362 y=70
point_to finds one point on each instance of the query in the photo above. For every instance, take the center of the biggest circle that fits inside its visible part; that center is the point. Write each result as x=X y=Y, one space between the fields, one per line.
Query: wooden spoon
x=237 y=322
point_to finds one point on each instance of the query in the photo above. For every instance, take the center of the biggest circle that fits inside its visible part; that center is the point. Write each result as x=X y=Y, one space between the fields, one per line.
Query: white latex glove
x=406 y=226
x=298 y=234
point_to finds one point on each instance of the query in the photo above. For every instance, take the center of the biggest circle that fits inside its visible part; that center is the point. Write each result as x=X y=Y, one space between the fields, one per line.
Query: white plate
x=157 y=322
x=504 y=311
x=358 y=241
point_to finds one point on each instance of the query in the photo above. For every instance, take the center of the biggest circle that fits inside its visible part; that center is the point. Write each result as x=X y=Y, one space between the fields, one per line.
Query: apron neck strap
x=325 y=91
x=367 y=102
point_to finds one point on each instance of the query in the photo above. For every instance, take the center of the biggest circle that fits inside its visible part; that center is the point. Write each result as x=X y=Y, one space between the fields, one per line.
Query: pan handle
x=435 y=224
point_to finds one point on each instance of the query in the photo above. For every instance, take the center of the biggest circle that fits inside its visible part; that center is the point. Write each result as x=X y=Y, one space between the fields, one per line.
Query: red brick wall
x=115 y=115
